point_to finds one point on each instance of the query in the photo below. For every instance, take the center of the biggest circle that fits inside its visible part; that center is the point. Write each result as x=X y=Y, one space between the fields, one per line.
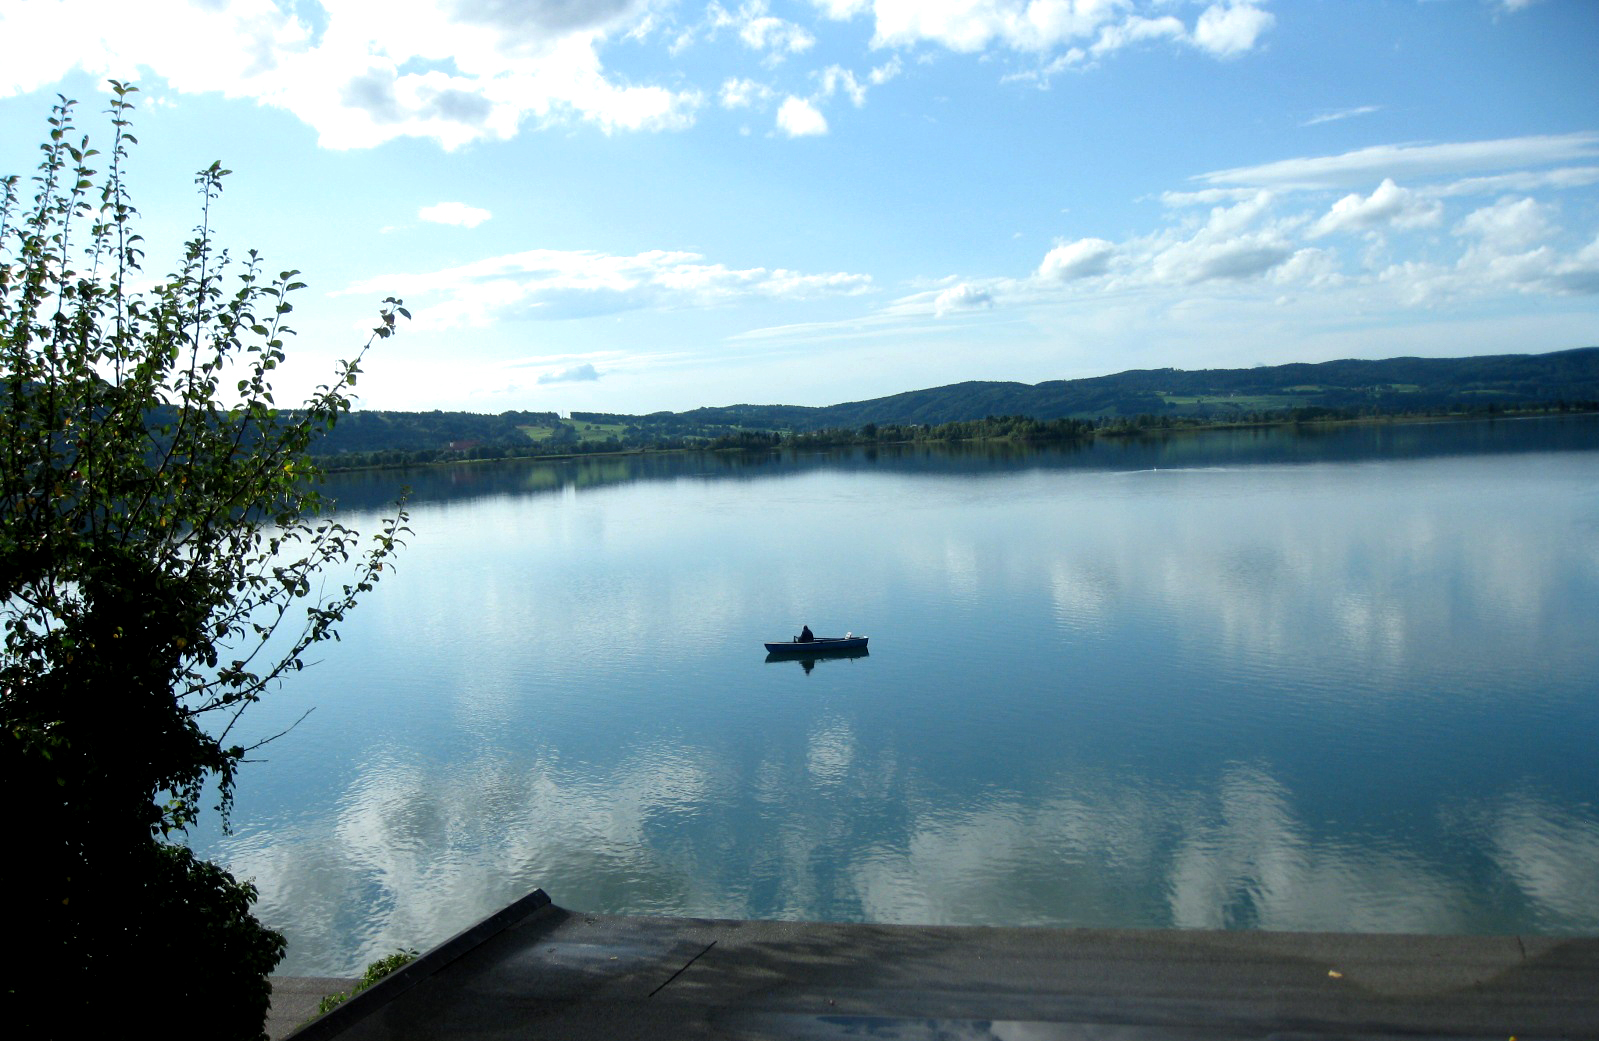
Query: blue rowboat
x=820 y=645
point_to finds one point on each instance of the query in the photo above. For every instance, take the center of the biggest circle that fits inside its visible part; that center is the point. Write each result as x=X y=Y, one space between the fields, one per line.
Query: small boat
x=820 y=645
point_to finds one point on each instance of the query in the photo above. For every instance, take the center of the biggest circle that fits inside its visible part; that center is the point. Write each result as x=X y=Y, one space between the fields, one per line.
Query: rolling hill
x=1263 y=393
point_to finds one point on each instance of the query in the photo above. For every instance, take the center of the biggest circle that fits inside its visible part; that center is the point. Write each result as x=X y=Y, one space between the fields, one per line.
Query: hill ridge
x=1263 y=393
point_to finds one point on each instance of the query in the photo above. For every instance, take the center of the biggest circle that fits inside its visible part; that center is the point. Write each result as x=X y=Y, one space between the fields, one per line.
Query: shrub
x=163 y=550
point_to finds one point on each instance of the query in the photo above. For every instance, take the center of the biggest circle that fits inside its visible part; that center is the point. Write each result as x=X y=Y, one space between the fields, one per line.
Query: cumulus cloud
x=1511 y=245
x=743 y=93
x=836 y=79
x=457 y=213
x=247 y=42
x=1235 y=243
x=1581 y=273
x=802 y=116
x=1227 y=30
x=563 y=284
x=841 y=9
x=1388 y=205
x=963 y=297
x=1507 y=226
x=759 y=29
x=797 y=117
x=575 y=374
x=1509 y=248
x=1137 y=30
x=1237 y=260
x=881 y=74
x=1045 y=27
x=1274 y=238
x=1080 y=259
x=456 y=73
x=1309 y=267
x=461 y=71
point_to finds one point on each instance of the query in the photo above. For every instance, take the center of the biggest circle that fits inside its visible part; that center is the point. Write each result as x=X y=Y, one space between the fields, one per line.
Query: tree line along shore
x=1126 y=404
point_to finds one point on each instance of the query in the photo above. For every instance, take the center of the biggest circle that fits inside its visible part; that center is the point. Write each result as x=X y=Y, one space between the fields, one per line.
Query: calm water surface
x=1250 y=680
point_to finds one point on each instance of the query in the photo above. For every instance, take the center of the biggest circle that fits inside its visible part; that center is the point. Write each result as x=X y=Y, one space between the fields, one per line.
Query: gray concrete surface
x=545 y=972
x=295 y=998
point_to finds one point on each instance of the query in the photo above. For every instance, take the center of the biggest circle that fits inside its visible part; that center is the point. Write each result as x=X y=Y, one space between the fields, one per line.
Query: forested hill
x=1395 y=384
x=1139 y=397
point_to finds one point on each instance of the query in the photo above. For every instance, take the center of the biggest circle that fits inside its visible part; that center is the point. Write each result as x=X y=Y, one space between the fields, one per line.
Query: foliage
x=374 y=972
x=165 y=559
x=1125 y=403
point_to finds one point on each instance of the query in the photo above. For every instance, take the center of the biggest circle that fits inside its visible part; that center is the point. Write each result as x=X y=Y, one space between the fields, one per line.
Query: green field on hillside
x=1238 y=402
x=587 y=432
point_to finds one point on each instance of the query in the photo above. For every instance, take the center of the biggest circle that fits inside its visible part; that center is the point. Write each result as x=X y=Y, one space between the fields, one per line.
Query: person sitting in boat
x=805 y=634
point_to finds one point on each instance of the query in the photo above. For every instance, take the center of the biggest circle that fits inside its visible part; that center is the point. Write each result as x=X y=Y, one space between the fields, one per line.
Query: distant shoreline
x=1111 y=429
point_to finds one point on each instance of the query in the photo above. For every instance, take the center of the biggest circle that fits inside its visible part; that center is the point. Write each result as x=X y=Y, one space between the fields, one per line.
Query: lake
x=1340 y=679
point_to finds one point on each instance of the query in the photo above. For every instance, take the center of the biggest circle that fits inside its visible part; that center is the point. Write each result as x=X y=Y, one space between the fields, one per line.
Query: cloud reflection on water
x=1233 y=673
x=424 y=851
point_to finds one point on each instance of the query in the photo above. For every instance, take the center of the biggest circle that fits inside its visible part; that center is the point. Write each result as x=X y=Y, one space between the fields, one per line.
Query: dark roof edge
x=359 y=1006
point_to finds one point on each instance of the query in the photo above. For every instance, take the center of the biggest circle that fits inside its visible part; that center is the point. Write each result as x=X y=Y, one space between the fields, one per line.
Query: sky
x=636 y=205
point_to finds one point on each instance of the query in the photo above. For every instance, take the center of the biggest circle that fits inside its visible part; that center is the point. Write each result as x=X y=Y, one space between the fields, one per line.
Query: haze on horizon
x=637 y=205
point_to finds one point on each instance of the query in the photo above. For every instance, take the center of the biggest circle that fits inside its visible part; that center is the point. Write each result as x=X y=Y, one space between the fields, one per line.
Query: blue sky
x=633 y=205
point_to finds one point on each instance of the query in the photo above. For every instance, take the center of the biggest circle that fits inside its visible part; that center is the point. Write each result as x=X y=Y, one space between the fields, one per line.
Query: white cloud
x=776 y=35
x=1507 y=226
x=457 y=213
x=246 y=41
x=1561 y=179
x=563 y=284
x=1581 y=273
x=963 y=297
x=1206 y=196
x=1388 y=205
x=1238 y=259
x=1080 y=259
x=1227 y=30
x=361 y=73
x=835 y=79
x=759 y=29
x=1235 y=243
x=575 y=374
x=1363 y=166
x=1309 y=267
x=1042 y=27
x=1267 y=243
x=797 y=117
x=800 y=117
x=1347 y=113
x=743 y=93
x=841 y=9
x=881 y=74
x=1509 y=250
x=1137 y=30
x=1510 y=246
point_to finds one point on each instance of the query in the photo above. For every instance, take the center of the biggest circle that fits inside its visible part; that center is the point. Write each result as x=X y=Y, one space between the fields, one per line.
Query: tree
x=166 y=559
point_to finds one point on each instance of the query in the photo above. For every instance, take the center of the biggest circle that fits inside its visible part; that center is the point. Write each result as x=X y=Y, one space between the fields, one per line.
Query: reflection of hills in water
x=375 y=489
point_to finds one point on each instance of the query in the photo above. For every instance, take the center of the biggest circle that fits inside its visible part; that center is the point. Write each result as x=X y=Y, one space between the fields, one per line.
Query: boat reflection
x=807 y=659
